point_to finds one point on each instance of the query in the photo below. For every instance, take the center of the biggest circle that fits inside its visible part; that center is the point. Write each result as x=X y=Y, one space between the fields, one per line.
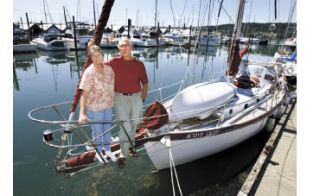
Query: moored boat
x=24 y=47
x=201 y=131
x=109 y=41
x=83 y=36
x=286 y=57
x=50 y=42
x=21 y=41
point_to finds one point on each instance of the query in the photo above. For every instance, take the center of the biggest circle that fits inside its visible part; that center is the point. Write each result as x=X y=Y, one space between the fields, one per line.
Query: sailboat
x=209 y=117
x=198 y=121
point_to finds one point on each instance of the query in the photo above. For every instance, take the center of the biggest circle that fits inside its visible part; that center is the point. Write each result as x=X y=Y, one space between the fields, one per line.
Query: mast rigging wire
x=292 y=9
x=228 y=15
x=174 y=19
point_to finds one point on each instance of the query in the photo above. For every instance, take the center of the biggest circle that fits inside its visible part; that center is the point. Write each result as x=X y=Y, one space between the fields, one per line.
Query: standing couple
x=117 y=83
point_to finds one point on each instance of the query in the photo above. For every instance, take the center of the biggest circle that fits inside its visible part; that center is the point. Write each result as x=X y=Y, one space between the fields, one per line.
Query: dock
x=274 y=172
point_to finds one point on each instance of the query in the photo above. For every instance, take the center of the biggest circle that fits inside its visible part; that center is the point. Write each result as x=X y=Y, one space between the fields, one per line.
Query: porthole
x=246 y=106
x=230 y=111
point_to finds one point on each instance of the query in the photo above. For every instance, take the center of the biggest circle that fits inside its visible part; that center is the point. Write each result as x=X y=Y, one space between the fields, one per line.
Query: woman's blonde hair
x=93 y=49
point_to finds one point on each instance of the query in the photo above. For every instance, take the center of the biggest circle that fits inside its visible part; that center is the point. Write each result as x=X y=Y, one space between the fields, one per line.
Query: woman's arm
x=83 y=102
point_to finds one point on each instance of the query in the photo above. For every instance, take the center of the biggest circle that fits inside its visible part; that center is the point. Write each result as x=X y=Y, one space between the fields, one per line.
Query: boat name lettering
x=203 y=134
x=212 y=133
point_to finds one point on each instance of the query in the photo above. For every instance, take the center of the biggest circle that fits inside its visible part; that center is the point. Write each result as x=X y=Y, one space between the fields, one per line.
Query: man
x=130 y=73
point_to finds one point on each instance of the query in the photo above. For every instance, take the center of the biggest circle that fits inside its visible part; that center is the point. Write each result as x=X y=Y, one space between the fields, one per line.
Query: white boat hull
x=82 y=45
x=25 y=47
x=184 y=151
x=108 y=44
x=54 y=45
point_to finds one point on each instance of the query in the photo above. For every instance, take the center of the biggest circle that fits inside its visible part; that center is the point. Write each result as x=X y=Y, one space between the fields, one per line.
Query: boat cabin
x=19 y=35
x=52 y=29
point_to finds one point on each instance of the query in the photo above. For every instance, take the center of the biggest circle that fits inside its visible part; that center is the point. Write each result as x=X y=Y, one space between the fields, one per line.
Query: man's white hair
x=124 y=39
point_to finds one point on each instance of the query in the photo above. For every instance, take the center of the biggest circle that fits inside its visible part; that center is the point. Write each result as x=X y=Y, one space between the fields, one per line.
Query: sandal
x=132 y=153
x=121 y=162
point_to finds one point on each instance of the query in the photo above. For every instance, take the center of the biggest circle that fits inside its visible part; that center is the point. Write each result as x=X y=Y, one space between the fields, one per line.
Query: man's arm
x=144 y=92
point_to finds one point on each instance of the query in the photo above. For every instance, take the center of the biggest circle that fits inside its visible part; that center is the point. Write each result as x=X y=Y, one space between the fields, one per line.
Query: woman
x=96 y=100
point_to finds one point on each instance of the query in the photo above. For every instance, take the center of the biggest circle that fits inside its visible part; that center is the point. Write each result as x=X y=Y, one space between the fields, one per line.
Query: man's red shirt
x=128 y=74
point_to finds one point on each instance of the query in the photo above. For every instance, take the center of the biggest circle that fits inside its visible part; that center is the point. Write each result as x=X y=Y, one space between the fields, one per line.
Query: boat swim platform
x=274 y=172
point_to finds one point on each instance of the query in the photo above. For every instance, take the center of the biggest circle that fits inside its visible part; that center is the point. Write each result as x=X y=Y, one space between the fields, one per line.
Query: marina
x=55 y=75
x=211 y=108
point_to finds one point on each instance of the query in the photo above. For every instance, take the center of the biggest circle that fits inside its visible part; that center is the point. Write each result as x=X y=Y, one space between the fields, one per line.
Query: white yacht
x=50 y=42
x=83 y=36
x=210 y=40
x=109 y=41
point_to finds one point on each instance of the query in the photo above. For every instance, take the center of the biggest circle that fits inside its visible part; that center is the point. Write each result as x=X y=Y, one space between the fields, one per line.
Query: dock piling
x=29 y=33
x=129 y=26
x=74 y=34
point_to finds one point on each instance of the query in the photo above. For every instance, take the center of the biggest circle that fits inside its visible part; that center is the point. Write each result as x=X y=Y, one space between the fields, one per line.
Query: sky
x=142 y=12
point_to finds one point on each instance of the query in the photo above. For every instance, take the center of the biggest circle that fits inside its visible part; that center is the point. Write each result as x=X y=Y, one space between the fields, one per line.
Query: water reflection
x=77 y=60
x=24 y=62
x=53 y=57
x=15 y=78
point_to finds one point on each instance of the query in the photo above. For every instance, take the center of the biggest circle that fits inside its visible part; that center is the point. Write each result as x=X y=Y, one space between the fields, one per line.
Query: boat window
x=50 y=38
x=246 y=106
x=258 y=100
x=230 y=111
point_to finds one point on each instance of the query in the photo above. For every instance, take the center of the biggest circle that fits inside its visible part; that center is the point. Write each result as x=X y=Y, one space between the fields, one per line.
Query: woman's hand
x=91 y=43
x=82 y=119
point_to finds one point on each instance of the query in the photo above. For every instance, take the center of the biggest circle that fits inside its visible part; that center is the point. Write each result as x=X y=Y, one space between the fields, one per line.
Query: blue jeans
x=99 y=128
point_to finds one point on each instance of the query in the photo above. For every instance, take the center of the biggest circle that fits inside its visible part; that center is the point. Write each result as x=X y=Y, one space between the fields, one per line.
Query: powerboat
x=83 y=36
x=50 y=42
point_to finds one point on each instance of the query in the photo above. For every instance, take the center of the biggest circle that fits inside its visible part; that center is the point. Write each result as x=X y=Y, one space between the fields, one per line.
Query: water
x=45 y=78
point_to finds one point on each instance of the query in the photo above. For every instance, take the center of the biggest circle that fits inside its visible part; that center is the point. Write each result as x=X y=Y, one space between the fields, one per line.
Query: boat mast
x=65 y=17
x=199 y=13
x=292 y=8
x=233 y=54
x=44 y=9
x=94 y=14
x=238 y=25
x=155 y=15
x=219 y=11
x=208 y=23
